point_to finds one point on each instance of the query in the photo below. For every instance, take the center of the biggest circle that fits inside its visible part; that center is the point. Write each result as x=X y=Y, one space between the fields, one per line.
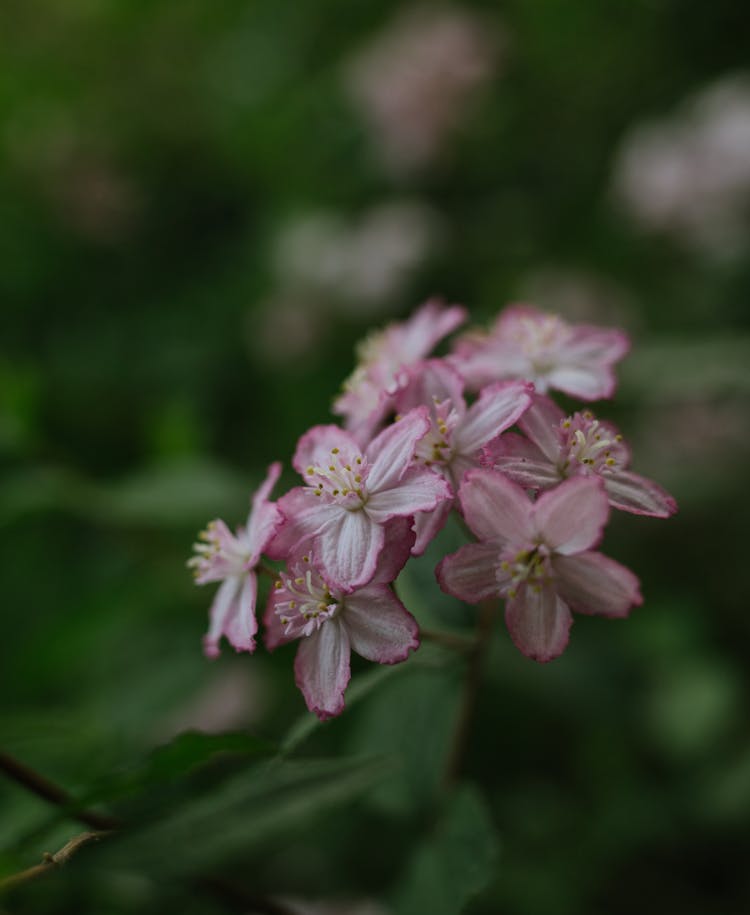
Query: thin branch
x=49 y=791
x=51 y=862
x=487 y=612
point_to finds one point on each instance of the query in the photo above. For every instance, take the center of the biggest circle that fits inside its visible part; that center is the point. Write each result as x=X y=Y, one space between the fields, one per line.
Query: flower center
x=218 y=553
x=436 y=447
x=307 y=602
x=587 y=442
x=539 y=338
x=529 y=566
x=342 y=480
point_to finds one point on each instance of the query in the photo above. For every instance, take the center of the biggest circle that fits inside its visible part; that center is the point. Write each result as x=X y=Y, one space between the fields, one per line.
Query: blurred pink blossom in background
x=414 y=82
x=688 y=175
x=360 y=264
x=326 y=263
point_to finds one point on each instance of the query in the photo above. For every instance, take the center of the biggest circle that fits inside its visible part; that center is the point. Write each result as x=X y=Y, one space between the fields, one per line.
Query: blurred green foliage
x=151 y=156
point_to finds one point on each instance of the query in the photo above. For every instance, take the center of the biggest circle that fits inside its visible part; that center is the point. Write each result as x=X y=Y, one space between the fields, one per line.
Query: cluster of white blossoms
x=422 y=437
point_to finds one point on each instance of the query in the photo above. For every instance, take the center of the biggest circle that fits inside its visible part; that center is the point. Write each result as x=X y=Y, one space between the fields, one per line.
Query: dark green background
x=150 y=154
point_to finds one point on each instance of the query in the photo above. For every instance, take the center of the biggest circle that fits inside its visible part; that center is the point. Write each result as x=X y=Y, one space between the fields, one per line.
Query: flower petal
x=587 y=382
x=380 y=628
x=321 y=669
x=419 y=490
x=570 y=518
x=391 y=452
x=589 y=344
x=426 y=328
x=398 y=542
x=639 y=495
x=241 y=626
x=539 y=623
x=348 y=550
x=273 y=629
x=431 y=380
x=265 y=517
x=305 y=516
x=495 y=508
x=521 y=460
x=595 y=584
x=232 y=614
x=498 y=407
x=315 y=446
x=541 y=423
x=471 y=574
x=427 y=525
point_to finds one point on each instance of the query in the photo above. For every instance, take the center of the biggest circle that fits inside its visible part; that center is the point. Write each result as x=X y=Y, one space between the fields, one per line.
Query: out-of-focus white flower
x=413 y=82
x=327 y=263
x=689 y=175
x=356 y=265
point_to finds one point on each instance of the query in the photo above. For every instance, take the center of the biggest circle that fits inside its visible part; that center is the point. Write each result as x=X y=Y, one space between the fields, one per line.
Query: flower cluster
x=412 y=449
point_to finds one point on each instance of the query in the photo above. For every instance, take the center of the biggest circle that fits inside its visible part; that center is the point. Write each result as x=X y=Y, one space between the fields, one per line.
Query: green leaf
x=455 y=863
x=177 y=758
x=266 y=800
x=180 y=492
x=428 y=657
x=413 y=720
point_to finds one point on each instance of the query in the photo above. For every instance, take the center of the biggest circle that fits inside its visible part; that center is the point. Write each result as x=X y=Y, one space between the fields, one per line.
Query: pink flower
x=368 y=392
x=416 y=81
x=537 y=555
x=232 y=560
x=526 y=343
x=352 y=493
x=457 y=433
x=560 y=446
x=331 y=623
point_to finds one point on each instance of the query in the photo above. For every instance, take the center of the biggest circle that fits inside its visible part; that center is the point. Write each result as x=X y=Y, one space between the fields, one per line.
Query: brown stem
x=53 y=793
x=452 y=640
x=267 y=570
x=50 y=862
x=104 y=825
x=462 y=733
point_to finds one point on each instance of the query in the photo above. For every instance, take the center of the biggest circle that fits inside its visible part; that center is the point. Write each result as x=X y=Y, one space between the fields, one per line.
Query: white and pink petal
x=541 y=423
x=495 y=508
x=587 y=382
x=391 y=452
x=498 y=406
x=348 y=550
x=427 y=525
x=315 y=446
x=631 y=492
x=380 y=628
x=472 y=574
x=305 y=517
x=419 y=490
x=521 y=461
x=265 y=517
x=570 y=518
x=430 y=381
x=232 y=614
x=539 y=622
x=595 y=584
x=321 y=669
x=398 y=542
